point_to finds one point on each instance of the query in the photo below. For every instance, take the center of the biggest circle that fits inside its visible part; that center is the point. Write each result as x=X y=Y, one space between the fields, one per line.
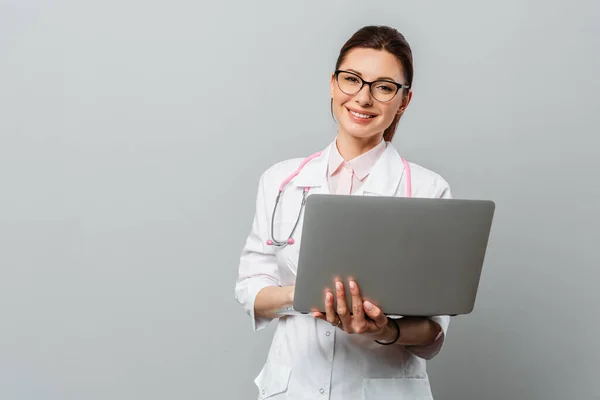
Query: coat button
x=327 y=333
x=264 y=392
x=321 y=390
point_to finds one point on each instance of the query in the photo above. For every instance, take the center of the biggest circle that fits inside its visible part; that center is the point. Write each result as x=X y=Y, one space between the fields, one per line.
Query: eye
x=385 y=88
x=351 y=79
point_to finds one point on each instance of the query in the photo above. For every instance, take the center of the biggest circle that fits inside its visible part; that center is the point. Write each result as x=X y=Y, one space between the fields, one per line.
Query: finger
x=317 y=314
x=358 y=314
x=329 y=311
x=375 y=313
x=342 y=307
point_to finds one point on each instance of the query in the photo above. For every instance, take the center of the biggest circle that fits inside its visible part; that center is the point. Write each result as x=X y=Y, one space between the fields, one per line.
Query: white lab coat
x=309 y=358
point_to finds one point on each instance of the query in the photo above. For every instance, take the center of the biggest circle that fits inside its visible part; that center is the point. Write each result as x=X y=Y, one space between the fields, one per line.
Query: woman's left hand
x=366 y=318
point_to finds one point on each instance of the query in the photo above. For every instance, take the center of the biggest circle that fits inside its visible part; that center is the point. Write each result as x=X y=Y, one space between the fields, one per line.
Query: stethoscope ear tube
x=290 y=240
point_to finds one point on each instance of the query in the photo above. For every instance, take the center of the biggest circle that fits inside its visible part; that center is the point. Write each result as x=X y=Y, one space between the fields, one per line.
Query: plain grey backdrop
x=132 y=136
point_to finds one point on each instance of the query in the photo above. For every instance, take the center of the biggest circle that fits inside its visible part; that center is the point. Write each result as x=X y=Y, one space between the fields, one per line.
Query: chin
x=363 y=136
x=360 y=132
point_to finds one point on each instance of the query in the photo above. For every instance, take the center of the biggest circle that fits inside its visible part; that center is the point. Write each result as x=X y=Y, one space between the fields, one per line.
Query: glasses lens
x=383 y=91
x=349 y=83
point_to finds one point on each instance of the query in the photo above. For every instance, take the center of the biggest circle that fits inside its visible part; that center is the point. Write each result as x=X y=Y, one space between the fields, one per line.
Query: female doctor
x=339 y=354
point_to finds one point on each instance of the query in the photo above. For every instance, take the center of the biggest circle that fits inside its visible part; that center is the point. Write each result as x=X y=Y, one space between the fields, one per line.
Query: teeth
x=361 y=115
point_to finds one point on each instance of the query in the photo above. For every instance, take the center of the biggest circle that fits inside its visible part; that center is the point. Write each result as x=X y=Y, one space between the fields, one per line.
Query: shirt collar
x=361 y=165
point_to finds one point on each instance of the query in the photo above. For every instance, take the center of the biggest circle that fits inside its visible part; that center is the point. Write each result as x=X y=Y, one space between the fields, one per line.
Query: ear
x=332 y=85
x=405 y=102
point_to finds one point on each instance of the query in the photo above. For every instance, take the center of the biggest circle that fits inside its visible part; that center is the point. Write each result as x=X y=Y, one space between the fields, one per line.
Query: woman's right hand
x=273 y=298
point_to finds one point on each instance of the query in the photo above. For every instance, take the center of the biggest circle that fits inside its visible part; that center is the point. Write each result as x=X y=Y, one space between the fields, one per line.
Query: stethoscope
x=290 y=240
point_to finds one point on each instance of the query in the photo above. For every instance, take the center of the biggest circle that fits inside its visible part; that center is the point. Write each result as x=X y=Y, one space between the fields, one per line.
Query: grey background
x=132 y=135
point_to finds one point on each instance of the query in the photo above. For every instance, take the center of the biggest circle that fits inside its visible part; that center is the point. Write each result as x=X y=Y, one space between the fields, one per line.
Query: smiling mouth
x=359 y=115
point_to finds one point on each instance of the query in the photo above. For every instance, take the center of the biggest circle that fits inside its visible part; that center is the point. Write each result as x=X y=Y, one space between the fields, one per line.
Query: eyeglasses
x=382 y=90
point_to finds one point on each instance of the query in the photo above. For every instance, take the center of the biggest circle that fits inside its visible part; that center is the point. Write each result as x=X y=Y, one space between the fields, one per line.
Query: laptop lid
x=410 y=256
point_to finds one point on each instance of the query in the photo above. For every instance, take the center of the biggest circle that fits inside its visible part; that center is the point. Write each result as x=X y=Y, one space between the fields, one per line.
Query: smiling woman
x=380 y=53
x=352 y=351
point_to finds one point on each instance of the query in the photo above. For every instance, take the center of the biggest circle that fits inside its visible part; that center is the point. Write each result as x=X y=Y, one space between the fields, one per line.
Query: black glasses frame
x=398 y=85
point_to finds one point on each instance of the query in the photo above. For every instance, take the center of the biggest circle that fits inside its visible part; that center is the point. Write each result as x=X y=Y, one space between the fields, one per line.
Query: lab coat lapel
x=384 y=179
x=314 y=174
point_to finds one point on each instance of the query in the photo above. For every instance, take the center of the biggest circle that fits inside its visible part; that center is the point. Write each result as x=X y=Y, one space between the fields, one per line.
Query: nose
x=363 y=97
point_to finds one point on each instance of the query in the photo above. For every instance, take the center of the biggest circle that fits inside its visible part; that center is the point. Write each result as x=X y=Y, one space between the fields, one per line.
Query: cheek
x=338 y=104
x=389 y=113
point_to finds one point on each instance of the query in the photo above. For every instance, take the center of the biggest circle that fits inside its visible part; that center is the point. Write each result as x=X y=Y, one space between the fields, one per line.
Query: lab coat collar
x=314 y=173
x=386 y=174
x=383 y=179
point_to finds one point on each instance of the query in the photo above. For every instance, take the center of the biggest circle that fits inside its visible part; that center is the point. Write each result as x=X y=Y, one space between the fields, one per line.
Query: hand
x=270 y=299
x=366 y=317
x=291 y=291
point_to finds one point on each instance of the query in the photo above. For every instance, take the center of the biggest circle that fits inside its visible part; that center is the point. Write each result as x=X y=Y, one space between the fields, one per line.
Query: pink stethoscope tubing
x=290 y=239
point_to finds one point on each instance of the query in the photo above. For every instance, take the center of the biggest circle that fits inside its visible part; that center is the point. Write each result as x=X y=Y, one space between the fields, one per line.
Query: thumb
x=375 y=314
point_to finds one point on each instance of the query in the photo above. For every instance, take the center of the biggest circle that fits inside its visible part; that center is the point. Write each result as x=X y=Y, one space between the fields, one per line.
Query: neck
x=351 y=147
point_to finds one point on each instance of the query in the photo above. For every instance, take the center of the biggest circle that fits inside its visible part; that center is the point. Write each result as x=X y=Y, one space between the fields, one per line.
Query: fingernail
x=329 y=296
x=338 y=285
x=352 y=285
x=368 y=305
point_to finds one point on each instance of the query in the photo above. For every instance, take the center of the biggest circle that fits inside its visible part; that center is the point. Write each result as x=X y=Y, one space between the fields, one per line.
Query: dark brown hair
x=382 y=38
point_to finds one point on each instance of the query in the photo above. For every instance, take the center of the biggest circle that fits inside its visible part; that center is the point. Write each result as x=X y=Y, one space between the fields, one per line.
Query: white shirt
x=309 y=358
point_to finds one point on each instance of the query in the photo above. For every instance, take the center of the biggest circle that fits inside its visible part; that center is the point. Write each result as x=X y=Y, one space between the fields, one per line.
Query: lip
x=358 y=119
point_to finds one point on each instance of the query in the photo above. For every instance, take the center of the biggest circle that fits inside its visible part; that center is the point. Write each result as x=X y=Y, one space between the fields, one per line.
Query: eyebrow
x=378 y=79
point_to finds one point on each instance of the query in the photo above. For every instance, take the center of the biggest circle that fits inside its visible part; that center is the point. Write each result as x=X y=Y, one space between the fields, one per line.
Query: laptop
x=410 y=256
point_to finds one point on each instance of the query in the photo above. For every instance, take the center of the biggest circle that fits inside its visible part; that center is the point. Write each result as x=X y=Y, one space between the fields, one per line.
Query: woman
x=339 y=355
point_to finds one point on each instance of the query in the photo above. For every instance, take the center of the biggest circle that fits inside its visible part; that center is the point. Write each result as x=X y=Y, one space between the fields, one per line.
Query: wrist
x=390 y=333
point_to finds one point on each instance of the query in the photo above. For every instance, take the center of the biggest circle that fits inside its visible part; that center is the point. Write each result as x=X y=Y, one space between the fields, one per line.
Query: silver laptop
x=411 y=256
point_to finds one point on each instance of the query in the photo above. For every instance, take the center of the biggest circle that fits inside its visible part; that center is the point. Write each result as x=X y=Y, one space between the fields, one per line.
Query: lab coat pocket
x=273 y=379
x=397 y=389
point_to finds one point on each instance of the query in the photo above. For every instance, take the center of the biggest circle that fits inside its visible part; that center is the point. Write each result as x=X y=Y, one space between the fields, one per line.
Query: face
x=374 y=115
